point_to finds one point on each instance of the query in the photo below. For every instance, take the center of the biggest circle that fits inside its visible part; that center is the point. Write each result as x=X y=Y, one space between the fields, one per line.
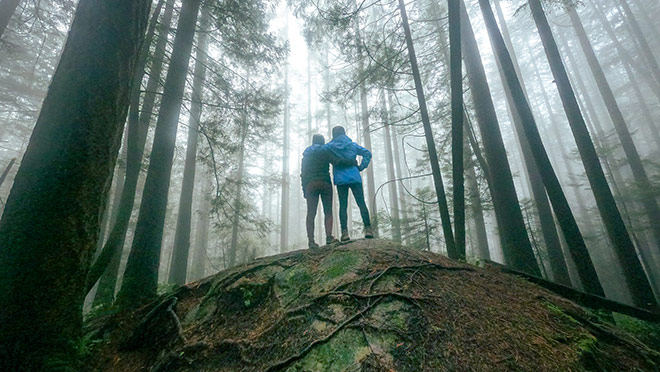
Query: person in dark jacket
x=315 y=177
x=349 y=178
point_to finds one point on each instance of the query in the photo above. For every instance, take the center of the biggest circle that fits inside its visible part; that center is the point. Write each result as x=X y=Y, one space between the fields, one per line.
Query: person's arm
x=339 y=162
x=366 y=156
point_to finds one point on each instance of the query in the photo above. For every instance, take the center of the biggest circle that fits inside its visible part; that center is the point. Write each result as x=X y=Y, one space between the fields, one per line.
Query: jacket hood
x=341 y=142
x=312 y=149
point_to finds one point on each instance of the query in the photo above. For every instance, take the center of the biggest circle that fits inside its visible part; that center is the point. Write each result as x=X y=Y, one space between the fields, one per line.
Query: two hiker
x=341 y=152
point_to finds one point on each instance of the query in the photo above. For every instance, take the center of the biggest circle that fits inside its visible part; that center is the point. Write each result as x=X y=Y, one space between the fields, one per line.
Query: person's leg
x=326 y=199
x=312 y=204
x=342 y=193
x=358 y=194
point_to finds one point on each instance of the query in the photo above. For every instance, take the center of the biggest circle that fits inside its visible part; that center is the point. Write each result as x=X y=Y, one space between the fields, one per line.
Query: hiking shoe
x=344 y=236
x=368 y=232
x=312 y=245
x=330 y=240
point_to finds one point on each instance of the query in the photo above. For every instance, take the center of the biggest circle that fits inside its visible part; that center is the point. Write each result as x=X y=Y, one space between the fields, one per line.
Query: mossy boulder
x=370 y=305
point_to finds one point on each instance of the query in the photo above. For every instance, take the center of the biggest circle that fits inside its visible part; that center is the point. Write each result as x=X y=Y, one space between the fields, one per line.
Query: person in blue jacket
x=315 y=177
x=346 y=178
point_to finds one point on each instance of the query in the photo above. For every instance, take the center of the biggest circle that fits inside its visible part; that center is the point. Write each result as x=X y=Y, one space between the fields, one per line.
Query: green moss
x=648 y=333
x=393 y=314
x=559 y=313
x=346 y=349
x=290 y=283
x=337 y=268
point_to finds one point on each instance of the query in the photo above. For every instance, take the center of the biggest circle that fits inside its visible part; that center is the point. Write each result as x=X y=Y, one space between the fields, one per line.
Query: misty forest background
x=544 y=144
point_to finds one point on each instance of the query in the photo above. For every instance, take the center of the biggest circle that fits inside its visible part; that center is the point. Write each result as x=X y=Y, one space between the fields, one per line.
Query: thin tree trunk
x=645 y=49
x=51 y=220
x=398 y=170
x=141 y=276
x=284 y=212
x=616 y=229
x=516 y=246
x=7 y=9
x=238 y=202
x=540 y=198
x=6 y=171
x=138 y=125
x=476 y=207
x=456 y=74
x=179 y=264
x=558 y=200
x=627 y=62
x=198 y=264
x=391 y=176
x=634 y=160
x=428 y=134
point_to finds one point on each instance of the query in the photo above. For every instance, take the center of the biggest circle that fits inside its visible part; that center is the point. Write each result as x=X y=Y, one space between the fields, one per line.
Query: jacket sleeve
x=337 y=161
x=366 y=156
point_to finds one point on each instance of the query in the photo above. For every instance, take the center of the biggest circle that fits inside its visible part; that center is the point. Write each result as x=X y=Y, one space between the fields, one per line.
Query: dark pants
x=312 y=193
x=358 y=194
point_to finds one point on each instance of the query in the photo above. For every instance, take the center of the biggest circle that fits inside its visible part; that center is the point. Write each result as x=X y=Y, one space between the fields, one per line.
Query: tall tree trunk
x=632 y=155
x=428 y=134
x=616 y=229
x=284 y=212
x=7 y=9
x=391 y=177
x=198 y=264
x=476 y=207
x=546 y=220
x=558 y=200
x=516 y=246
x=366 y=134
x=398 y=169
x=51 y=220
x=141 y=276
x=456 y=73
x=106 y=263
x=238 y=202
x=179 y=263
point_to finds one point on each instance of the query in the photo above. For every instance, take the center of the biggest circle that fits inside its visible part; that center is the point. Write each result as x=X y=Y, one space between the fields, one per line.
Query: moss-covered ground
x=370 y=305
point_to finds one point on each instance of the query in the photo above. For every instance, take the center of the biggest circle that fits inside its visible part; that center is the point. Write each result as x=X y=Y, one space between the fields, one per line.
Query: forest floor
x=370 y=305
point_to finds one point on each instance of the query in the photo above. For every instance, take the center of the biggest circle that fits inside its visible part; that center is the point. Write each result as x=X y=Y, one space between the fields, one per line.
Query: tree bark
x=51 y=220
x=456 y=74
x=428 y=134
x=616 y=229
x=516 y=246
x=107 y=264
x=179 y=263
x=141 y=276
x=284 y=206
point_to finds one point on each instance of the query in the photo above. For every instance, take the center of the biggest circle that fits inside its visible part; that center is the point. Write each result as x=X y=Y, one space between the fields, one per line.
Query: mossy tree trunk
x=141 y=276
x=51 y=221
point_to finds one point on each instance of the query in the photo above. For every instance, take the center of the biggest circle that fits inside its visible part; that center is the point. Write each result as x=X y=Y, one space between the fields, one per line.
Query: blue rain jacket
x=345 y=148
